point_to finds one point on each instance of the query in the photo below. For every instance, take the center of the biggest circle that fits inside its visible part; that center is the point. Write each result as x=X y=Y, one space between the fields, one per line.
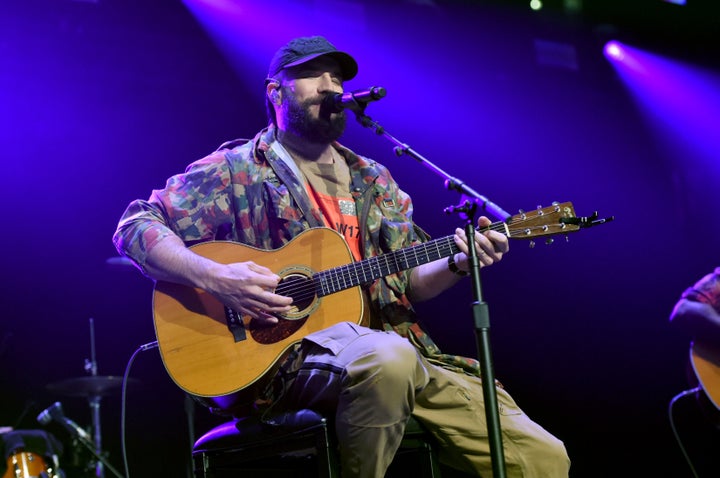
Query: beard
x=324 y=129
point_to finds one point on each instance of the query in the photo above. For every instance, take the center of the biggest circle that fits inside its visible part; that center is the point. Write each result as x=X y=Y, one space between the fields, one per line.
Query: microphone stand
x=54 y=412
x=91 y=447
x=470 y=202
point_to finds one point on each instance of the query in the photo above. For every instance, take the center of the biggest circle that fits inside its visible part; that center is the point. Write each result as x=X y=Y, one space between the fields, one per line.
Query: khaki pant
x=371 y=381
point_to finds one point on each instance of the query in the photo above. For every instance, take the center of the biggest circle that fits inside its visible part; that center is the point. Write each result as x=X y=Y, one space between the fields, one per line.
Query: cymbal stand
x=94 y=403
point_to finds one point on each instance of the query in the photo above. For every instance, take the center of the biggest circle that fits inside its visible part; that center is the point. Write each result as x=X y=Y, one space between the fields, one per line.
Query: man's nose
x=327 y=83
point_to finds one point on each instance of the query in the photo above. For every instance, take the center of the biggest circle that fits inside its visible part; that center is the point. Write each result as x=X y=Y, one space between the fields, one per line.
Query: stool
x=297 y=444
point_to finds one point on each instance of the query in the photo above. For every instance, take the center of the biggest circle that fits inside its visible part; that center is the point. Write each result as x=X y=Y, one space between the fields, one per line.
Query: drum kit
x=34 y=453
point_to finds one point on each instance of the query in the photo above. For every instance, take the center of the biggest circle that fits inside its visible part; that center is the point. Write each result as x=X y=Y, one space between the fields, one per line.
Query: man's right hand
x=249 y=289
x=246 y=287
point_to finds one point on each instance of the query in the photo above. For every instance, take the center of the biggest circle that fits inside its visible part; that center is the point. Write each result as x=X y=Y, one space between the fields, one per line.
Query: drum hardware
x=92 y=387
x=55 y=413
x=25 y=464
x=30 y=454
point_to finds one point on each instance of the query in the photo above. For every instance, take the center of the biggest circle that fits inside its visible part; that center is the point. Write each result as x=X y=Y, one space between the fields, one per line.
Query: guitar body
x=200 y=353
x=705 y=361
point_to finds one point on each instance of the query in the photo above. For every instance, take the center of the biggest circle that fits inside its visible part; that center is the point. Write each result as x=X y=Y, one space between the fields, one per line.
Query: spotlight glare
x=536 y=5
x=614 y=51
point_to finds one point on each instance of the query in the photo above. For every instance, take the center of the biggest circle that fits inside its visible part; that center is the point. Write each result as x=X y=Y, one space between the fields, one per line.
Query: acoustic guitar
x=209 y=350
x=705 y=362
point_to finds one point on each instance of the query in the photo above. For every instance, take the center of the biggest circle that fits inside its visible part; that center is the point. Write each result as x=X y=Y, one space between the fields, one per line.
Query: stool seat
x=251 y=445
x=252 y=431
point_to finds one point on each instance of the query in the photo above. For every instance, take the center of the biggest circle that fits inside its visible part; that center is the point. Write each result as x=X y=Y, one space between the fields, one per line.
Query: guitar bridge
x=235 y=324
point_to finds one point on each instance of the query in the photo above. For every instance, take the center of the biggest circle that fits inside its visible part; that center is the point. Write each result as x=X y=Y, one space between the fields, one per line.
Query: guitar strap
x=282 y=153
x=290 y=175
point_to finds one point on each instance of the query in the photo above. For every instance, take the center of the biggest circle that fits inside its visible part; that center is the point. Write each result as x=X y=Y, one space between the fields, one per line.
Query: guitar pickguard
x=266 y=335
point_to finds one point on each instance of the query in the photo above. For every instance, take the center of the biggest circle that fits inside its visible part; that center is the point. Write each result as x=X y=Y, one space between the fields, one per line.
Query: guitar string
x=342 y=276
x=337 y=279
x=349 y=275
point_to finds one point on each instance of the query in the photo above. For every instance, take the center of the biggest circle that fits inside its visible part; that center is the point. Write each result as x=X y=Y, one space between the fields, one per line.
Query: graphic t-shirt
x=329 y=188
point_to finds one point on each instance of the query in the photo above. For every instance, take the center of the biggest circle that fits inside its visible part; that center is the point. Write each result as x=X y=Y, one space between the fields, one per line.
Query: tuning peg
x=532 y=244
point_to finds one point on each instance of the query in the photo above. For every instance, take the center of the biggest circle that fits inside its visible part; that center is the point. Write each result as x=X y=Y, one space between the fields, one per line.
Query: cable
x=142 y=348
x=674 y=430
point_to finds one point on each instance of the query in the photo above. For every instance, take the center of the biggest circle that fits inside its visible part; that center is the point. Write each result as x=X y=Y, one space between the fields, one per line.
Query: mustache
x=316 y=101
x=327 y=109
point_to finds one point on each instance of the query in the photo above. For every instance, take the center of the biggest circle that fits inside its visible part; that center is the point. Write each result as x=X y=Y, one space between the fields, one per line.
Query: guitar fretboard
x=544 y=221
x=365 y=271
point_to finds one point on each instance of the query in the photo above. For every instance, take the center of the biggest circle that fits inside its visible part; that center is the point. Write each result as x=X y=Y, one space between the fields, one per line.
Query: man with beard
x=294 y=176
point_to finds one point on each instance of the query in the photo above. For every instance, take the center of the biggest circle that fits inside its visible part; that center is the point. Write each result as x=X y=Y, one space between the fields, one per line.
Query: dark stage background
x=102 y=101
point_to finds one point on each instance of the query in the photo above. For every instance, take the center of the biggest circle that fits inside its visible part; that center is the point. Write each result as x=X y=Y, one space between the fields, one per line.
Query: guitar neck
x=548 y=221
x=365 y=271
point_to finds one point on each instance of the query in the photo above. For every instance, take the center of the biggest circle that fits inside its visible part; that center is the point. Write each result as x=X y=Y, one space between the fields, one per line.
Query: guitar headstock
x=552 y=220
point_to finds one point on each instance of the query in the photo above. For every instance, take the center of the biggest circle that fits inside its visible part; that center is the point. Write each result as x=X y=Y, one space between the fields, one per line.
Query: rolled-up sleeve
x=140 y=228
x=194 y=206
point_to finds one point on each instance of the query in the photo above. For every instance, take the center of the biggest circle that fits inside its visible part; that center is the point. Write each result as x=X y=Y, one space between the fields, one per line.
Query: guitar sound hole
x=300 y=288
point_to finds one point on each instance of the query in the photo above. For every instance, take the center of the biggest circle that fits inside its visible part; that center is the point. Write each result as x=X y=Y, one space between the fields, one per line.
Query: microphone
x=55 y=412
x=353 y=100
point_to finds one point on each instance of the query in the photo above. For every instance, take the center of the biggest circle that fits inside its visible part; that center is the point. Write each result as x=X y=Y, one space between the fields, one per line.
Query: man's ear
x=273 y=92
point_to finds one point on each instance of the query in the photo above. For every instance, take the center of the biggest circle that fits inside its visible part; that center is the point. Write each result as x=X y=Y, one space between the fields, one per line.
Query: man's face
x=303 y=90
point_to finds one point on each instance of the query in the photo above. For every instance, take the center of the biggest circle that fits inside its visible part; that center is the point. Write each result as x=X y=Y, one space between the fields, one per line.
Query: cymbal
x=90 y=386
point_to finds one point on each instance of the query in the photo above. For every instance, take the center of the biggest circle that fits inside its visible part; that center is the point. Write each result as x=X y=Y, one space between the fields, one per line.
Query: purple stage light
x=613 y=51
x=680 y=100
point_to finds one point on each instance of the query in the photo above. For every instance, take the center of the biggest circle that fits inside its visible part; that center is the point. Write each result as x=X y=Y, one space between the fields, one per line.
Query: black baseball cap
x=303 y=49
